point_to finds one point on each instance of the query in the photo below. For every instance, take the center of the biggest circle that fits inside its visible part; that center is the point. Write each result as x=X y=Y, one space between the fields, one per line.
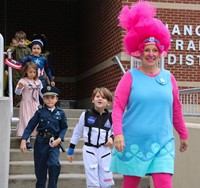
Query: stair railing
x=14 y=120
x=1 y=64
x=10 y=85
x=5 y=116
x=116 y=60
x=190 y=101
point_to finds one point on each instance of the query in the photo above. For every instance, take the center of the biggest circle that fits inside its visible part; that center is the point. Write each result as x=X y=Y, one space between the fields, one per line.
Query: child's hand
x=53 y=83
x=109 y=142
x=70 y=158
x=8 y=50
x=6 y=72
x=55 y=142
x=70 y=155
x=20 y=85
x=23 y=146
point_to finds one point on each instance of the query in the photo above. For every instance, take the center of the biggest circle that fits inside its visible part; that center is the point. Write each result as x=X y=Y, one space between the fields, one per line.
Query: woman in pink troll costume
x=146 y=104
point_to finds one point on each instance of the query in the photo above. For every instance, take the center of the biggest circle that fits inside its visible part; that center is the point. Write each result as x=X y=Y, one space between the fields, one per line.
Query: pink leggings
x=160 y=180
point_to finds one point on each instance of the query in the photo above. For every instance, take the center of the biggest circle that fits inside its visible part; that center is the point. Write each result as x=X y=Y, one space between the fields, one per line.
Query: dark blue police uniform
x=51 y=124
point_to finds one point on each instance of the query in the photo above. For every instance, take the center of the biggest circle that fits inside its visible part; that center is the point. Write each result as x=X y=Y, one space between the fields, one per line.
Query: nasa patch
x=91 y=120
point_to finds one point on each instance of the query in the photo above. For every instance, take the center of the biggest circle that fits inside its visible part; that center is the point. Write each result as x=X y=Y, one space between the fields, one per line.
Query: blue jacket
x=42 y=64
x=54 y=122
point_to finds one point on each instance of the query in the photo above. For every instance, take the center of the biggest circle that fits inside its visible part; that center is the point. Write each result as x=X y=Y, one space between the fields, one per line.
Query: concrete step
x=192 y=119
x=68 y=133
x=15 y=142
x=71 y=122
x=16 y=155
x=70 y=113
x=27 y=167
x=66 y=180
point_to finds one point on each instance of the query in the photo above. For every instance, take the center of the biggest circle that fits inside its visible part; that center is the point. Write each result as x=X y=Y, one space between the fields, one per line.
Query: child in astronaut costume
x=96 y=126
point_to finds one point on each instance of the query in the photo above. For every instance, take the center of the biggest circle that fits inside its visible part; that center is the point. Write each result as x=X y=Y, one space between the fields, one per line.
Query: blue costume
x=149 y=141
x=42 y=64
x=50 y=124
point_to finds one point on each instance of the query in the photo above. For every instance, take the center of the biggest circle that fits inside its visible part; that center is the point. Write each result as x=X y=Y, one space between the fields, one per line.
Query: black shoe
x=28 y=146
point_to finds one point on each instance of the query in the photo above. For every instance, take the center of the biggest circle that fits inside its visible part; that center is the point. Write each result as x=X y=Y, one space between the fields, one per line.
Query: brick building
x=83 y=37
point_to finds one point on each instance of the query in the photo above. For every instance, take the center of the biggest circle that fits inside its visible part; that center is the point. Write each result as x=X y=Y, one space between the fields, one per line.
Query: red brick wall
x=58 y=21
x=165 y=1
x=101 y=39
x=182 y=71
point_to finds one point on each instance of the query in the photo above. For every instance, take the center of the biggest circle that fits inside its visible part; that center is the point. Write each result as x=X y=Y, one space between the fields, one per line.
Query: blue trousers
x=46 y=159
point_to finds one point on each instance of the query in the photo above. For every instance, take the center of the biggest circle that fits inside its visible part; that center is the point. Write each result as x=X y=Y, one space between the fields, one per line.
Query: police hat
x=49 y=90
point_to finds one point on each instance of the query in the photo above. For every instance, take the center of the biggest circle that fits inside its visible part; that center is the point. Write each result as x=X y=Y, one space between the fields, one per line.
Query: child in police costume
x=51 y=125
x=96 y=126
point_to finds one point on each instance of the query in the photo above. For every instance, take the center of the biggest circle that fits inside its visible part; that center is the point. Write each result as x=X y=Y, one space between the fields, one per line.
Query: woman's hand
x=119 y=142
x=184 y=145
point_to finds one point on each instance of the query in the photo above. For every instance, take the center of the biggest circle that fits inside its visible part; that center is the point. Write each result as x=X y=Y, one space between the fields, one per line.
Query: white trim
x=178 y=6
x=188 y=84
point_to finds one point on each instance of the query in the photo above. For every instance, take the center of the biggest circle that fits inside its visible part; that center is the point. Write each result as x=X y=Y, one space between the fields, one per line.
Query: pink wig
x=142 y=28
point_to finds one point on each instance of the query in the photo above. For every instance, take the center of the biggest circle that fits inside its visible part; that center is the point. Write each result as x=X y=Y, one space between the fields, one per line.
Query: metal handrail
x=10 y=84
x=190 y=101
x=192 y=90
x=1 y=64
x=116 y=60
x=14 y=120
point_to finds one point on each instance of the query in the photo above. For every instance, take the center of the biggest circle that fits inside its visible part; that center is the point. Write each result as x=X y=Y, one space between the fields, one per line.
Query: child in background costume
x=18 y=51
x=29 y=86
x=96 y=126
x=45 y=52
x=41 y=61
x=14 y=42
x=51 y=124
x=146 y=104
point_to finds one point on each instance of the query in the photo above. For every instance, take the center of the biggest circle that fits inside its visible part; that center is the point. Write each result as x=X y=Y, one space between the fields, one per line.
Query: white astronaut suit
x=96 y=129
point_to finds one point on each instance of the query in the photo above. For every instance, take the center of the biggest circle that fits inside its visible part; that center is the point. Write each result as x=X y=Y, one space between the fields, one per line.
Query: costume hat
x=37 y=41
x=142 y=27
x=49 y=90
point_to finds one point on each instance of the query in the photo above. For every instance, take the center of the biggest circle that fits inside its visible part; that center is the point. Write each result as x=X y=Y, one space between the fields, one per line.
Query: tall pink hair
x=141 y=27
